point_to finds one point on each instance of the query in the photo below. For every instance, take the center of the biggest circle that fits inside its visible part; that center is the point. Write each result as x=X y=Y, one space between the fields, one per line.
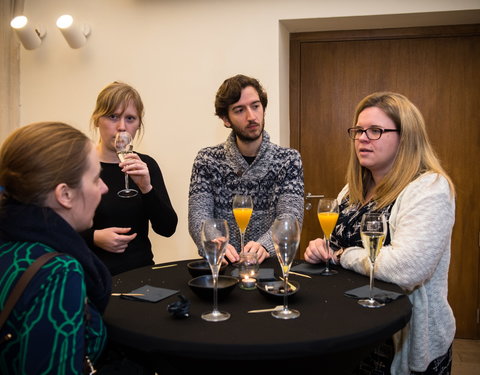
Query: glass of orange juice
x=327 y=212
x=242 y=210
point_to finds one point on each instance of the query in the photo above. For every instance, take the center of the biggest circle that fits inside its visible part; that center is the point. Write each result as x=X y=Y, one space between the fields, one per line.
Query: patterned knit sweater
x=274 y=181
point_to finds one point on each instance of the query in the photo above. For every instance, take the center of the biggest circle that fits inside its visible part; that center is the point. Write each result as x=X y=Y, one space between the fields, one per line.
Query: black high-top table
x=333 y=332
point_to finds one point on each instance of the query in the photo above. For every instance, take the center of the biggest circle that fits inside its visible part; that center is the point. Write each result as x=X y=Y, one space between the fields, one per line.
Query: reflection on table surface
x=330 y=325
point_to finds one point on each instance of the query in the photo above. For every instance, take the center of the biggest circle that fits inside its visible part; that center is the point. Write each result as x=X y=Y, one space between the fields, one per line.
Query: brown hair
x=114 y=95
x=415 y=154
x=35 y=158
x=231 y=90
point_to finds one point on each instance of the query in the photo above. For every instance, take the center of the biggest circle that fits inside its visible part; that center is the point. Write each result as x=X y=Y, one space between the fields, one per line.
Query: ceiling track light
x=75 y=34
x=29 y=36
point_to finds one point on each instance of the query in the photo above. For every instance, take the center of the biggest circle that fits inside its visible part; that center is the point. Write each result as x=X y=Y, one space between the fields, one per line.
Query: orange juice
x=242 y=216
x=328 y=220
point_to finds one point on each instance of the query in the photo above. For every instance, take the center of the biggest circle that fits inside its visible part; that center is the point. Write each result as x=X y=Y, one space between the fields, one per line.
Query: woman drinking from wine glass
x=51 y=185
x=119 y=235
x=393 y=170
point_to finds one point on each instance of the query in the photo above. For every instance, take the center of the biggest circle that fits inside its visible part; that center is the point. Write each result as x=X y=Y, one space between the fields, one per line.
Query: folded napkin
x=379 y=294
x=150 y=294
x=308 y=268
x=263 y=274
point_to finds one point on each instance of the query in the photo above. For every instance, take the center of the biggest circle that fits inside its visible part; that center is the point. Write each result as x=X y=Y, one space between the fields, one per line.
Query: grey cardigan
x=417 y=260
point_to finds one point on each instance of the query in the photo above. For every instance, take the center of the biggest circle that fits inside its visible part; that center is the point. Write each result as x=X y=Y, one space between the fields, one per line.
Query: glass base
x=215 y=316
x=286 y=314
x=370 y=302
x=127 y=193
x=328 y=272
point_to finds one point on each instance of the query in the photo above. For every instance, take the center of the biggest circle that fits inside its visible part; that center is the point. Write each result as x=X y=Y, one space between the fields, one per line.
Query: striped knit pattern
x=274 y=181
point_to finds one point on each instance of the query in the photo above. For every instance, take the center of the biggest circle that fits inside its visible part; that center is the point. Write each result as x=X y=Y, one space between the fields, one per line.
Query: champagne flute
x=242 y=210
x=373 y=229
x=286 y=237
x=214 y=235
x=327 y=213
x=123 y=146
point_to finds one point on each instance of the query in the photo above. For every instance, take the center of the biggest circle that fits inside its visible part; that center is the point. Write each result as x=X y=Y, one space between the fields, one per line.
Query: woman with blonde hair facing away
x=51 y=186
x=393 y=170
x=119 y=235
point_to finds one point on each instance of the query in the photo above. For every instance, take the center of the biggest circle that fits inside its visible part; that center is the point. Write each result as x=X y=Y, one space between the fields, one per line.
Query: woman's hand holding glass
x=316 y=251
x=123 y=147
x=138 y=171
x=327 y=212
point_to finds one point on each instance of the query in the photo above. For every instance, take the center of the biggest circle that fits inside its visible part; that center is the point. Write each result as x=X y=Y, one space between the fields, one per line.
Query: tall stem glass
x=373 y=229
x=242 y=206
x=327 y=212
x=124 y=146
x=286 y=237
x=215 y=236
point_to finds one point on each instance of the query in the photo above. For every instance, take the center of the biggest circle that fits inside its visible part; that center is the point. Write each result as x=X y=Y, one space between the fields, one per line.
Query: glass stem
x=327 y=263
x=241 y=243
x=215 y=286
x=285 y=280
x=372 y=266
x=126 y=182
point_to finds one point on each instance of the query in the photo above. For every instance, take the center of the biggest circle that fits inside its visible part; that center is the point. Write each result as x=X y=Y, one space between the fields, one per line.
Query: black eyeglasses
x=372 y=133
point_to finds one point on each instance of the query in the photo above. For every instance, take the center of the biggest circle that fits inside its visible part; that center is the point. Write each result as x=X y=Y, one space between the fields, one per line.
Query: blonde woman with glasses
x=393 y=169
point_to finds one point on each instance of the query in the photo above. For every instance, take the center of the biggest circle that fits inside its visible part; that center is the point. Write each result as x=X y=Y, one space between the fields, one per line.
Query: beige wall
x=177 y=53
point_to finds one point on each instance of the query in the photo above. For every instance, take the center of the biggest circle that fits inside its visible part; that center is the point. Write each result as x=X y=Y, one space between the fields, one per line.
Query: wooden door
x=438 y=69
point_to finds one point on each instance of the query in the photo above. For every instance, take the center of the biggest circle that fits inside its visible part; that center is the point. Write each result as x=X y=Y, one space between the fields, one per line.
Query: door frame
x=296 y=41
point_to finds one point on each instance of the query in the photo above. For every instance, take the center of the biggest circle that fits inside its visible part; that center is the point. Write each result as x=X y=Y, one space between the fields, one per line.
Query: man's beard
x=245 y=137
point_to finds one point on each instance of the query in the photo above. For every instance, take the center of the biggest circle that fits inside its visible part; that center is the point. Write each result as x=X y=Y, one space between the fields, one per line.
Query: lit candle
x=248 y=282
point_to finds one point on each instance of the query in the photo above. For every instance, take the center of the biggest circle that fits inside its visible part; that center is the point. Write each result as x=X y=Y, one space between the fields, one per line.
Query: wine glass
x=373 y=229
x=123 y=146
x=214 y=235
x=327 y=212
x=248 y=270
x=242 y=210
x=286 y=237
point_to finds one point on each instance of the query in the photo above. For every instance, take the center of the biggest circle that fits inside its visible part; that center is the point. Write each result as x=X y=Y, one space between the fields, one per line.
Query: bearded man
x=247 y=163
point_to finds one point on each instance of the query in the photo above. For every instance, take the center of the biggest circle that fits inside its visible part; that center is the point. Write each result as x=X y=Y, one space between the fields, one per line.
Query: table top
x=329 y=322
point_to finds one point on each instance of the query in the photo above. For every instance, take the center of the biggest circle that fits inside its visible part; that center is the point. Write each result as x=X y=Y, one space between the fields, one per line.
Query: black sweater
x=136 y=212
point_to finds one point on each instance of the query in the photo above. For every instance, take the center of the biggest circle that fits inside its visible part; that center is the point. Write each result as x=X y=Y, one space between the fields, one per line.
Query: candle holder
x=248 y=270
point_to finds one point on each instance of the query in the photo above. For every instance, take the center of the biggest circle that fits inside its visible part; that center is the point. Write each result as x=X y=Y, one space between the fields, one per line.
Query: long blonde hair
x=415 y=154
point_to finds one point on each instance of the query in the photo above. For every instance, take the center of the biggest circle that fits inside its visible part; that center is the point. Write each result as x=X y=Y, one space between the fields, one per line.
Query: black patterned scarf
x=30 y=223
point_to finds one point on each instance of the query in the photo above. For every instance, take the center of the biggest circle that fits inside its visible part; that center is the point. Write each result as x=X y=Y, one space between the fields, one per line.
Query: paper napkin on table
x=308 y=268
x=150 y=294
x=379 y=294
x=263 y=274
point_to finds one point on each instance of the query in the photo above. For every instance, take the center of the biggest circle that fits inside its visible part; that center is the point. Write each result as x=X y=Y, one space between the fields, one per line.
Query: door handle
x=308 y=205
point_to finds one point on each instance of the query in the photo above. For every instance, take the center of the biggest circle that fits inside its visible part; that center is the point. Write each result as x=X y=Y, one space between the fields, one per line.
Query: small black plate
x=275 y=288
